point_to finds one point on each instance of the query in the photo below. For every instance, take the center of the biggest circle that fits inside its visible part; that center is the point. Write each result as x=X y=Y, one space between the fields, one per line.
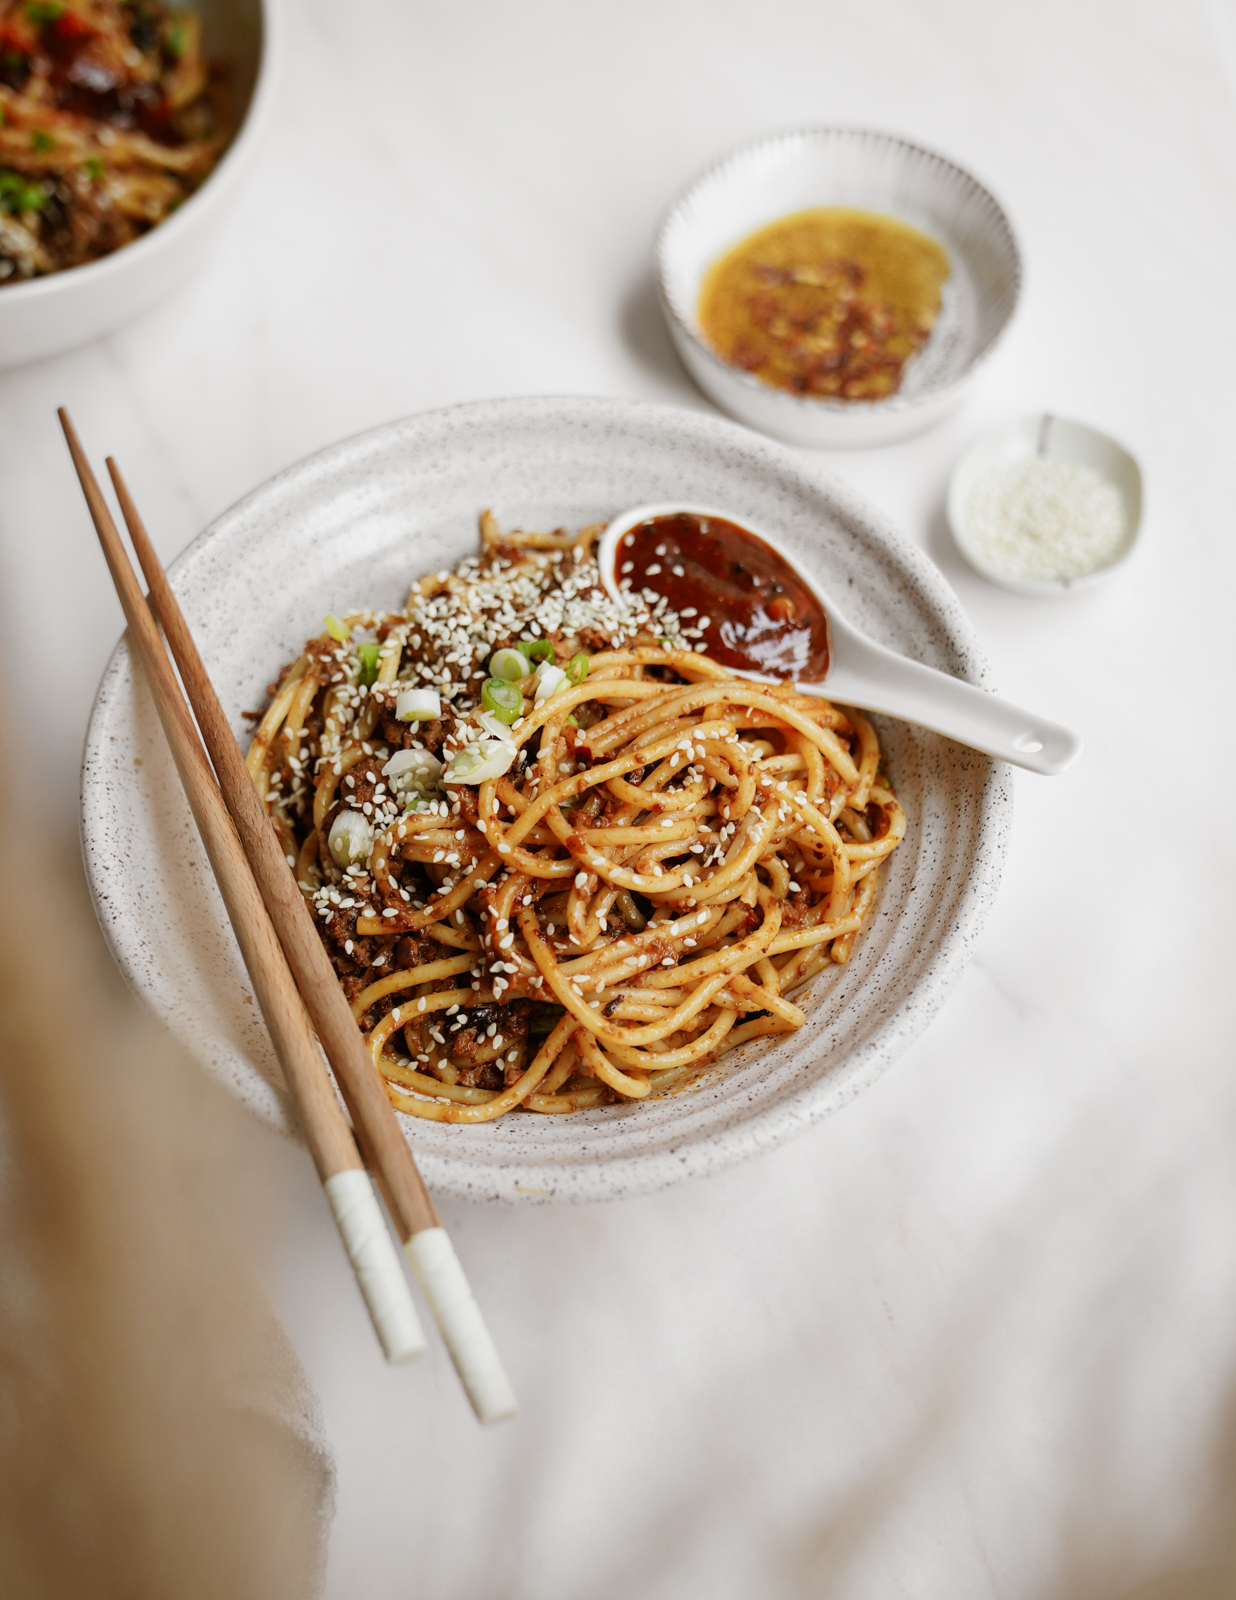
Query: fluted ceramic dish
x=353 y=526
x=871 y=171
x=44 y=316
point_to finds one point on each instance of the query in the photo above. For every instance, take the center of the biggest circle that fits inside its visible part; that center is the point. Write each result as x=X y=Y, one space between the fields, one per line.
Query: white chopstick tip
x=462 y=1327
x=375 y=1260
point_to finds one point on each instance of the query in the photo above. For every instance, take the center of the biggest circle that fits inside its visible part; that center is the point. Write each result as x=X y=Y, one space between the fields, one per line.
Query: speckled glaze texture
x=351 y=527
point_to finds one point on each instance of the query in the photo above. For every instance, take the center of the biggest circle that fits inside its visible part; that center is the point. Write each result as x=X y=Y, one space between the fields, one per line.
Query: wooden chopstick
x=427 y=1244
x=331 y=1144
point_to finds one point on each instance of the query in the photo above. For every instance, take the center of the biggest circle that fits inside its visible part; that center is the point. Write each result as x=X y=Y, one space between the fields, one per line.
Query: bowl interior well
x=874 y=172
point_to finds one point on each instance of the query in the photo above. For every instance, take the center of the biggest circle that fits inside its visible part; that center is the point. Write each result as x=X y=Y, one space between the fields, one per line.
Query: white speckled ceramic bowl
x=351 y=527
x=872 y=171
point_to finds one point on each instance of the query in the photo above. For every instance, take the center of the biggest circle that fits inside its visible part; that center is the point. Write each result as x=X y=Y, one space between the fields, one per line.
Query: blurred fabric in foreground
x=157 y=1435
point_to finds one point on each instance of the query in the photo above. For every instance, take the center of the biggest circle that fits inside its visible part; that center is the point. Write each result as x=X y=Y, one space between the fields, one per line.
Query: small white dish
x=871 y=171
x=44 y=316
x=1055 y=438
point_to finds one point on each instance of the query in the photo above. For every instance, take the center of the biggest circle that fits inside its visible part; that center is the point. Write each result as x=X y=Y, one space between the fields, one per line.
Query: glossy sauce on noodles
x=753 y=610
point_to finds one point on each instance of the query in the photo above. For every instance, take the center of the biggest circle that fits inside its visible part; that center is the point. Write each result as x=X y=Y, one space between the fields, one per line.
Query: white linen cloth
x=975 y=1336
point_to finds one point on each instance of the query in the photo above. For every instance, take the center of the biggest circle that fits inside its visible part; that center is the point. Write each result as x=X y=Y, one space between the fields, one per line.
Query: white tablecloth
x=976 y=1335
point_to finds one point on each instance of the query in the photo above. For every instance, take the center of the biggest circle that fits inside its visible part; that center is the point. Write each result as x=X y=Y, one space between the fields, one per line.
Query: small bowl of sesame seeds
x=1045 y=505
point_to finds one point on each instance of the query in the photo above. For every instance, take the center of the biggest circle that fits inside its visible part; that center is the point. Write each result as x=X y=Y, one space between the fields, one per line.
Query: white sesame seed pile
x=534 y=594
x=1046 y=519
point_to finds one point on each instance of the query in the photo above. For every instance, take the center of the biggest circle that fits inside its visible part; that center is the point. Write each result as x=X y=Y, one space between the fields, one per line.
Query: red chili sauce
x=754 y=611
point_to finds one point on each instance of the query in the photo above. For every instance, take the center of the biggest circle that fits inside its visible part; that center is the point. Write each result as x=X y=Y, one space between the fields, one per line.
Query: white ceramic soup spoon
x=867 y=675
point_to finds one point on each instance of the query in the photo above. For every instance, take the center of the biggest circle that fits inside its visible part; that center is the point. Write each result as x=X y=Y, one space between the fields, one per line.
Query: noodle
x=109 y=119
x=651 y=857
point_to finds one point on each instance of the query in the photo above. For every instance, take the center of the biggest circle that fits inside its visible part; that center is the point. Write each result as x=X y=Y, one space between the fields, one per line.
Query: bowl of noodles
x=608 y=916
x=126 y=127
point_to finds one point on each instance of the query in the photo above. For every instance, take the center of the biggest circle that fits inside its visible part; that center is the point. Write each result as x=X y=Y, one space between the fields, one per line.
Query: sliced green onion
x=94 y=167
x=509 y=664
x=550 y=680
x=336 y=628
x=18 y=195
x=418 y=705
x=41 y=140
x=577 y=669
x=413 y=775
x=537 y=649
x=491 y=726
x=41 y=11
x=477 y=763
x=502 y=699
x=368 y=654
x=350 y=838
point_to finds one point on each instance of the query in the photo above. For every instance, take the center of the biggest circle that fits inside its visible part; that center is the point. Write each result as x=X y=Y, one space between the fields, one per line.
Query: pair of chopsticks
x=296 y=987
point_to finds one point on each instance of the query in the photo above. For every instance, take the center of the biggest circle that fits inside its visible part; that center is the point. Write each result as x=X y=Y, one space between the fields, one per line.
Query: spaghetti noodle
x=581 y=878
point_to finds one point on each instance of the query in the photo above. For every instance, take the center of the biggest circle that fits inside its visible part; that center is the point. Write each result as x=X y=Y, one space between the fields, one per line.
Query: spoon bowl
x=865 y=674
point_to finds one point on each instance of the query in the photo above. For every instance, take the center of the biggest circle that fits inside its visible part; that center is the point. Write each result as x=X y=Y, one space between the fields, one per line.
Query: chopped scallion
x=477 y=763
x=368 y=654
x=509 y=664
x=418 y=705
x=537 y=649
x=18 y=195
x=501 y=699
x=550 y=680
x=350 y=839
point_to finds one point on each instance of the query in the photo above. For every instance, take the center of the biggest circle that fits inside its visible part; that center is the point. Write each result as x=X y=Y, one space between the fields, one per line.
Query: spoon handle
x=875 y=679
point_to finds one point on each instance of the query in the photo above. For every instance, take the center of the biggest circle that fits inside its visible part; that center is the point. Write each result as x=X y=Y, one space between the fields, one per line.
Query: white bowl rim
x=256 y=115
x=769 y=1126
x=817 y=405
x=1038 y=588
